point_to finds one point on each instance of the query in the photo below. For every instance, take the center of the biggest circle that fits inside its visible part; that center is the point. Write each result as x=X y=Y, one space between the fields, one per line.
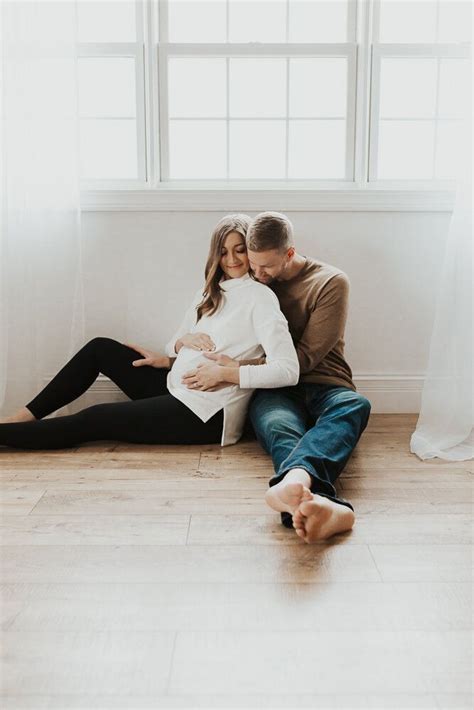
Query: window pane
x=449 y=147
x=197 y=20
x=407 y=21
x=197 y=87
x=257 y=149
x=106 y=21
x=406 y=150
x=257 y=20
x=318 y=87
x=197 y=149
x=317 y=149
x=453 y=82
x=108 y=149
x=408 y=88
x=318 y=21
x=455 y=21
x=257 y=87
x=107 y=87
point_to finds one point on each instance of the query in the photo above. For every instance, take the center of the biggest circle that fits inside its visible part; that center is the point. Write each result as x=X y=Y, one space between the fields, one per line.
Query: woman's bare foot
x=320 y=518
x=290 y=492
x=23 y=415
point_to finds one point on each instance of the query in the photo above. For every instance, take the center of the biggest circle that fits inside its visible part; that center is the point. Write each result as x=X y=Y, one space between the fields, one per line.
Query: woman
x=233 y=315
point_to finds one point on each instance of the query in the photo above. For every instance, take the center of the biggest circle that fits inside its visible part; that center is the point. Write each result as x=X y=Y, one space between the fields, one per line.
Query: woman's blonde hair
x=212 y=292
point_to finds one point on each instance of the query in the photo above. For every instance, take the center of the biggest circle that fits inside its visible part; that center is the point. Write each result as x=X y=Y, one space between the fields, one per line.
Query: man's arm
x=326 y=324
x=255 y=361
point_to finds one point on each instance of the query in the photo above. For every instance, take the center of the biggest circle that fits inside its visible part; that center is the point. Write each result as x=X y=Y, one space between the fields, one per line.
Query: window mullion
x=363 y=68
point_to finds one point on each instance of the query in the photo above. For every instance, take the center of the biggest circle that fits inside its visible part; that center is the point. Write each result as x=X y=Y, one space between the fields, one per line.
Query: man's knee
x=364 y=406
x=272 y=423
x=357 y=405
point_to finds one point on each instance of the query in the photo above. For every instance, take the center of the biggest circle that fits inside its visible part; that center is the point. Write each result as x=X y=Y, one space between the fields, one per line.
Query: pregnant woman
x=232 y=315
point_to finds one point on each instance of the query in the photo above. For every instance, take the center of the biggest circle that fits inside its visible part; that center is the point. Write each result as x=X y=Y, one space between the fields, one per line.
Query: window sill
x=186 y=199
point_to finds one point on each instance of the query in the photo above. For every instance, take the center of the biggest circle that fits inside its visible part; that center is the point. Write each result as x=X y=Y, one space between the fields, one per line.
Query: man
x=311 y=429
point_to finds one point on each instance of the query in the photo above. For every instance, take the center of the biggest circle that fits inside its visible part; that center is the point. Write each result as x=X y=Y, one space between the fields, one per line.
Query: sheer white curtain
x=445 y=425
x=41 y=321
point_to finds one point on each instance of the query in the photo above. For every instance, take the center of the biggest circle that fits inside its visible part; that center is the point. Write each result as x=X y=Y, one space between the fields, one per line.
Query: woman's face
x=234 y=262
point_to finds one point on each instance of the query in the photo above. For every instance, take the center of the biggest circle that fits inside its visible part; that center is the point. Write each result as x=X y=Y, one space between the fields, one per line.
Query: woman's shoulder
x=262 y=294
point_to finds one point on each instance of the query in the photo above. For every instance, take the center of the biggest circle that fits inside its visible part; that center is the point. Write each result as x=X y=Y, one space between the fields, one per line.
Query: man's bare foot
x=321 y=518
x=23 y=415
x=290 y=492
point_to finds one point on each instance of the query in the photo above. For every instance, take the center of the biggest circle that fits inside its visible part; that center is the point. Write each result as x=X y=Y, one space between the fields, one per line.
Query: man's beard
x=267 y=280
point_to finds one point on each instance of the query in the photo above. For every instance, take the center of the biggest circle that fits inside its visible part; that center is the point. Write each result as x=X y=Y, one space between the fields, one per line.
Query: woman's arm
x=281 y=368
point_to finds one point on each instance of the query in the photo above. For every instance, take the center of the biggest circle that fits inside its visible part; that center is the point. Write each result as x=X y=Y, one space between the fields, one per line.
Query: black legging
x=153 y=417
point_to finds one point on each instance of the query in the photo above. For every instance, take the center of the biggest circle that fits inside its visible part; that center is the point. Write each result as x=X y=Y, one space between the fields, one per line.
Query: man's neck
x=294 y=268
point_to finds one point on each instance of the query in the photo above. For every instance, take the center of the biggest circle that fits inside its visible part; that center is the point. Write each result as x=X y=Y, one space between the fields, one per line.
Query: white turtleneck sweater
x=248 y=325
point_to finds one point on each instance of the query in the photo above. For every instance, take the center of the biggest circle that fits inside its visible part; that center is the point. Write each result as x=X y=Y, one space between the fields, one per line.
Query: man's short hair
x=270 y=230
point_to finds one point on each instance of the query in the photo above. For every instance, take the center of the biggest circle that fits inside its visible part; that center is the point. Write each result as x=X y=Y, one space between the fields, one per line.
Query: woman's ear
x=291 y=252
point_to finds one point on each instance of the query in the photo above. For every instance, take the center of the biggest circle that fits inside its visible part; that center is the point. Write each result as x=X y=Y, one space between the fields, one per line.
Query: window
x=275 y=93
x=419 y=69
x=111 y=91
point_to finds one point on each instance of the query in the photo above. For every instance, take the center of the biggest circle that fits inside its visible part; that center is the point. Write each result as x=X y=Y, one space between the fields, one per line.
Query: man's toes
x=298 y=518
x=307 y=495
x=308 y=507
x=301 y=532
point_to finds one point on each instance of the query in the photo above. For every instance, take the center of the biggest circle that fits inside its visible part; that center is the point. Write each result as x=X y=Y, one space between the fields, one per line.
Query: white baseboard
x=388 y=394
x=392 y=394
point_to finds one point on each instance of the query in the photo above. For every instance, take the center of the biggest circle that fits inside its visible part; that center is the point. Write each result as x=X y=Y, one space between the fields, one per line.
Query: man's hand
x=149 y=358
x=223 y=360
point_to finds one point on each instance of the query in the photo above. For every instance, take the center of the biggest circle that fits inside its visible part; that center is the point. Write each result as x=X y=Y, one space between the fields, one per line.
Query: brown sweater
x=315 y=304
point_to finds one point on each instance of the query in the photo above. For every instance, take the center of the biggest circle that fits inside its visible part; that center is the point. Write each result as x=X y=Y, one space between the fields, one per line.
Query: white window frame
x=409 y=50
x=135 y=50
x=153 y=192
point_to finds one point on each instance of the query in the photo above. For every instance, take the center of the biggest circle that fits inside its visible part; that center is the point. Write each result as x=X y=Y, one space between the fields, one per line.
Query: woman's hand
x=204 y=377
x=195 y=341
x=211 y=377
x=149 y=358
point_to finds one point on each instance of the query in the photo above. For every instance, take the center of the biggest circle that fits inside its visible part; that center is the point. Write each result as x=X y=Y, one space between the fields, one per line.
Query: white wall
x=142 y=267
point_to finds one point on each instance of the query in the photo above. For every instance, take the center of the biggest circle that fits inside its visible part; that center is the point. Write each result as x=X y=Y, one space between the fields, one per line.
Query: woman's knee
x=100 y=343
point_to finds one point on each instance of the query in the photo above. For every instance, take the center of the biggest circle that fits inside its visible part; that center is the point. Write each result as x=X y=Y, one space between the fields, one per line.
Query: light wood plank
x=423 y=563
x=94 y=530
x=267 y=530
x=183 y=486
x=65 y=458
x=123 y=502
x=170 y=472
x=222 y=662
x=204 y=606
x=19 y=502
x=85 y=662
x=286 y=563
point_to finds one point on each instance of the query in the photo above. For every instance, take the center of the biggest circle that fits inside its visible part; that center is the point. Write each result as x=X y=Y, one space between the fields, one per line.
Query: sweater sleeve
x=186 y=326
x=326 y=324
x=281 y=367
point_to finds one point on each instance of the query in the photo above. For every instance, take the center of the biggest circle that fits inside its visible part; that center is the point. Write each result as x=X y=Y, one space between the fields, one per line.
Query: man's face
x=268 y=266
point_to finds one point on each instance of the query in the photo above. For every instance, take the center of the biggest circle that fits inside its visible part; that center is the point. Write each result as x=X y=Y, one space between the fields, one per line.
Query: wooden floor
x=155 y=577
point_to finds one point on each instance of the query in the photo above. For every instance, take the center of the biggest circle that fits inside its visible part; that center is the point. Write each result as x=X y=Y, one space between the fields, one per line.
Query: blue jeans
x=310 y=426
